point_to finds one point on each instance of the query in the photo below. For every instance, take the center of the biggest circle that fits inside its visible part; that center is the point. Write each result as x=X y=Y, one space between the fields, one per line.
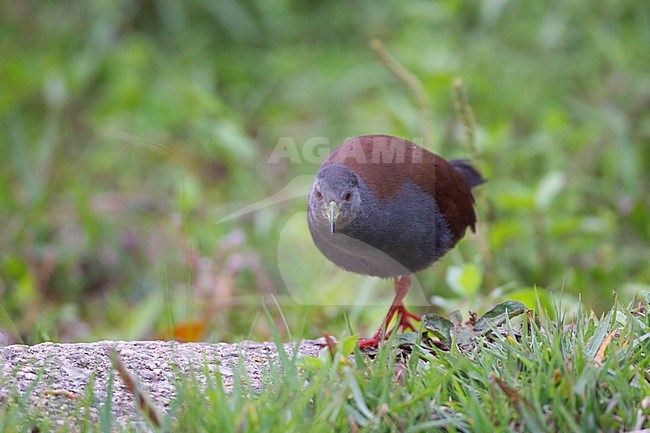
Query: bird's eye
x=319 y=195
x=348 y=196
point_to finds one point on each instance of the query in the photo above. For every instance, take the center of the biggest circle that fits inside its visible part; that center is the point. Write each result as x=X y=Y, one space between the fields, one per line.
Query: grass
x=531 y=373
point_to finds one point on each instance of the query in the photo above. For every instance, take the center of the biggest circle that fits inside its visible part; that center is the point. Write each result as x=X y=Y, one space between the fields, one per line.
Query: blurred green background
x=129 y=129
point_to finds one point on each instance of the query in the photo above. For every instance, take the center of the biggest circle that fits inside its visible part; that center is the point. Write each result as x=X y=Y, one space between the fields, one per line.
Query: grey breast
x=390 y=238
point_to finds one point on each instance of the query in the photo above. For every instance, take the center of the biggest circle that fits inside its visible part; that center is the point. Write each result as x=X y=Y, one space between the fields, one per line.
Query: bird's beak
x=333 y=211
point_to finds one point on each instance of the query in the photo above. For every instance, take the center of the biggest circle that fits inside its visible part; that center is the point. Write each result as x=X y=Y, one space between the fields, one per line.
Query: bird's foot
x=369 y=341
x=405 y=319
x=404 y=323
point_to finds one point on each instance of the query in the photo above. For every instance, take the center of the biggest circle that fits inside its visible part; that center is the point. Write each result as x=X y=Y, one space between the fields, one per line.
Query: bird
x=383 y=206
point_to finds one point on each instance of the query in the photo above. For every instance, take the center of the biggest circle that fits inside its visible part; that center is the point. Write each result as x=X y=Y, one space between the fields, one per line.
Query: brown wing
x=385 y=163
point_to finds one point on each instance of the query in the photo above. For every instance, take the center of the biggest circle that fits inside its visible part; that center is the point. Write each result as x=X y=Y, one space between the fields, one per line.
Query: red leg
x=404 y=317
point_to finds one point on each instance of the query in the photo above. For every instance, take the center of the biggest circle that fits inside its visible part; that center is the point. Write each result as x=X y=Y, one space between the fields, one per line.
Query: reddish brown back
x=385 y=163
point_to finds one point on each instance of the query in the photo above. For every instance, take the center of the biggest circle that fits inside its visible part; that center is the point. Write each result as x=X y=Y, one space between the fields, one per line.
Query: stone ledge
x=63 y=371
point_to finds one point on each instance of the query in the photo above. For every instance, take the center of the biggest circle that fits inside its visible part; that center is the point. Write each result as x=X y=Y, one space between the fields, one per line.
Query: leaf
x=534 y=298
x=497 y=315
x=331 y=344
x=522 y=405
x=464 y=338
x=406 y=339
x=358 y=397
x=311 y=363
x=356 y=416
x=600 y=333
x=464 y=280
x=440 y=327
x=456 y=318
x=600 y=355
x=460 y=334
x=348 y=345
x=470 y=279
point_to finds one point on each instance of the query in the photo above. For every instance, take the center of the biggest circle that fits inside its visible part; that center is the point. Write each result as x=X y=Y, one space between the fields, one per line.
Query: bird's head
x=335 y=197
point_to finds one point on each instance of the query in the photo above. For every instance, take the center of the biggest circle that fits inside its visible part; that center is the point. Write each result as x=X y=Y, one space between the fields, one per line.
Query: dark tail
x=470 y=174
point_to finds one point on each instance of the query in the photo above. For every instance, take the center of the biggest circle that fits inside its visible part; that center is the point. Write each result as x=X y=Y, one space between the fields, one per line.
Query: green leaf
x=464 y=280
x=534 y=298
x=311 y=363
x=348 y=345
x=440 y=327
x=359 y=398
x=497 y=315
x=356 y=415
x=406 y=339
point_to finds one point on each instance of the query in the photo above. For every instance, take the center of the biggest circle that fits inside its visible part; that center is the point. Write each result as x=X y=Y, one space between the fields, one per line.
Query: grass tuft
x=529 y=373
x=538 y=375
